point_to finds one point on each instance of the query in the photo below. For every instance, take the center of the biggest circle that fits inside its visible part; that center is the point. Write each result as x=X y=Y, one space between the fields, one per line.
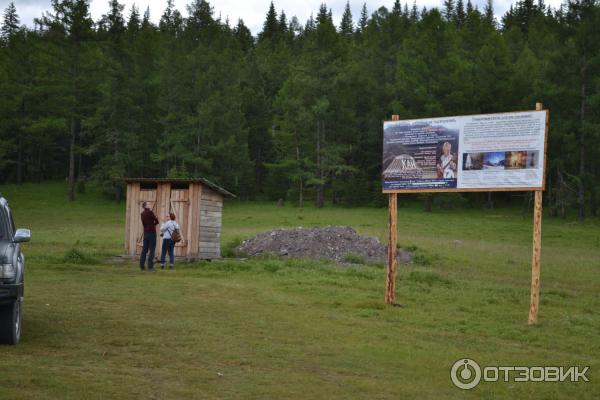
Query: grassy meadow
x=95 y=327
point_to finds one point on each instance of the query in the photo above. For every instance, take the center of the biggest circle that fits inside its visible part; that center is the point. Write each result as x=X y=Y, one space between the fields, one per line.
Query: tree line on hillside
x=296 y=111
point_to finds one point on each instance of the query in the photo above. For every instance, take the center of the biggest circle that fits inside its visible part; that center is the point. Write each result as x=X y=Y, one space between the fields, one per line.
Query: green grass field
x=96 y=328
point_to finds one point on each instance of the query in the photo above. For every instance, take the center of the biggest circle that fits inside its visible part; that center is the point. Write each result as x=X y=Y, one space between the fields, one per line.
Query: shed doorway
x=179 y=204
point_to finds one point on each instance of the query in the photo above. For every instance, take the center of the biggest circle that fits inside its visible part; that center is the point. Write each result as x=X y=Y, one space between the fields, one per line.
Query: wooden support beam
x=537 y=251
x=390 y=284
x=390 y=281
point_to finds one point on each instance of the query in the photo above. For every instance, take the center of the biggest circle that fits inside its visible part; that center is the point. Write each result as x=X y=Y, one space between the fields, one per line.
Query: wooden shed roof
x=202 y=181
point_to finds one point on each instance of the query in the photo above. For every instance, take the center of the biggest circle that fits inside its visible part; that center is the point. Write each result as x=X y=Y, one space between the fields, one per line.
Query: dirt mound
x=339 y=243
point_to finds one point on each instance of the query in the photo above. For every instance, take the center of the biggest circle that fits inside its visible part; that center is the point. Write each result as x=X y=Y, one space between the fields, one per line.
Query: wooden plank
x=212 y=240
x=184 y=206
x=149 y=196
x=209 y=224
x=198 y=205
x=211 y=229
x=194 y=224
x=540 y=107
x=211 y=235
x=211 y=214
x=209 y=245
x=135 y=218
x=390 y=285
x=214 y=203
x=190 y=214
x=160 y=209
x=179 y=204
x=127 y=219
x=132 y=211
x=209 y=221
x=206 y=203
x=210 y=250
x=537 y=249
x=212 y=209
x=216 y=217
x=535 y=260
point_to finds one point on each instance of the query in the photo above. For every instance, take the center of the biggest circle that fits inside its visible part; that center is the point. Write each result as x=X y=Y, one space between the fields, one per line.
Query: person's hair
x=172 y=216
x=144 y=204
x=447 y=144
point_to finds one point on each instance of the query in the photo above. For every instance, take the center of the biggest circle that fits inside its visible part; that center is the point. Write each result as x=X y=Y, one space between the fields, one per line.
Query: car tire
x=10 y=322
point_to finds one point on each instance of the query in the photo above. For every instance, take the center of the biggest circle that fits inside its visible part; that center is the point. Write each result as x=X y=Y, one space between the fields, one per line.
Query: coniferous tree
x=489 y=13
x=10 y=22
x=73 y=55
x=271 y=27
x=449 y=12
x=364 y=18
x=461 y=15
x=347 y=25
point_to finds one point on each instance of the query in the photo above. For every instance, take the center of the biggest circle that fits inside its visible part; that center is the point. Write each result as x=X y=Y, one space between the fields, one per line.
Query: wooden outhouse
x=197 y=204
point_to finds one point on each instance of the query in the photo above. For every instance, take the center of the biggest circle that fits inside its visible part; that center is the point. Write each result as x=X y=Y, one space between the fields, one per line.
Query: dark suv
x=12 y=272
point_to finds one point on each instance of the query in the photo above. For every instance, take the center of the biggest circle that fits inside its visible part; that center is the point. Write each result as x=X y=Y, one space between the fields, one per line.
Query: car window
x=4 y=235
x=11 y=224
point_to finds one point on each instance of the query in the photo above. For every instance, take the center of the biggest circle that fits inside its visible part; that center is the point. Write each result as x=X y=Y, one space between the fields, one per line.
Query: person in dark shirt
x=149 y=221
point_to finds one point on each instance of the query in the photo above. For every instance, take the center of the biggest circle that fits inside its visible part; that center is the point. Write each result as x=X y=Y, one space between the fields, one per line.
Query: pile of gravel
x=339 y=243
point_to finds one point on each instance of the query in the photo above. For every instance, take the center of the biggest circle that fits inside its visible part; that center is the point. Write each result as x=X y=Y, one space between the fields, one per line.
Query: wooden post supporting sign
x=537 y=250
x=390 y=281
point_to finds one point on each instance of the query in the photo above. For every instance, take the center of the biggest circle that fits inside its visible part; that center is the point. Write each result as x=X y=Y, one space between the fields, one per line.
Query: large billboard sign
x=491 y=152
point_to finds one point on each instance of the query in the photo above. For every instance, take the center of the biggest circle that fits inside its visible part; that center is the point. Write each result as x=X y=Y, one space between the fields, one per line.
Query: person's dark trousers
x=167 y=245
x=149 y=248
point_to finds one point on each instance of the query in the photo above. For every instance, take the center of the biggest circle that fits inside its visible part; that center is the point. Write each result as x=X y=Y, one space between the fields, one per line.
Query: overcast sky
x=251 y=11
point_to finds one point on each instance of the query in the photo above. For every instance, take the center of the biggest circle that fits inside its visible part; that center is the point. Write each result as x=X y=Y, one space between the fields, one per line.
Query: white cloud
x=253 y=12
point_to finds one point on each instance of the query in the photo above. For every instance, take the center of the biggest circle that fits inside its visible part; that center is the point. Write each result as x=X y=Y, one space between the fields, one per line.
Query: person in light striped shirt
x=168 y=245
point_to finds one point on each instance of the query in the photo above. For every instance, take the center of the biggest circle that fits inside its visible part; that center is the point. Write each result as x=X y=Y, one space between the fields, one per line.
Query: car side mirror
x=22 y=235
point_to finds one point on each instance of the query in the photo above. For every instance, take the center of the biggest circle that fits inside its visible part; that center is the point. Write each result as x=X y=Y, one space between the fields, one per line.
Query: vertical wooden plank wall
x=134 y=210
x=180 y=205
x=149 y=196
x=127 y=219
x=211 y=209
x=195 y=191
x=162 y=208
